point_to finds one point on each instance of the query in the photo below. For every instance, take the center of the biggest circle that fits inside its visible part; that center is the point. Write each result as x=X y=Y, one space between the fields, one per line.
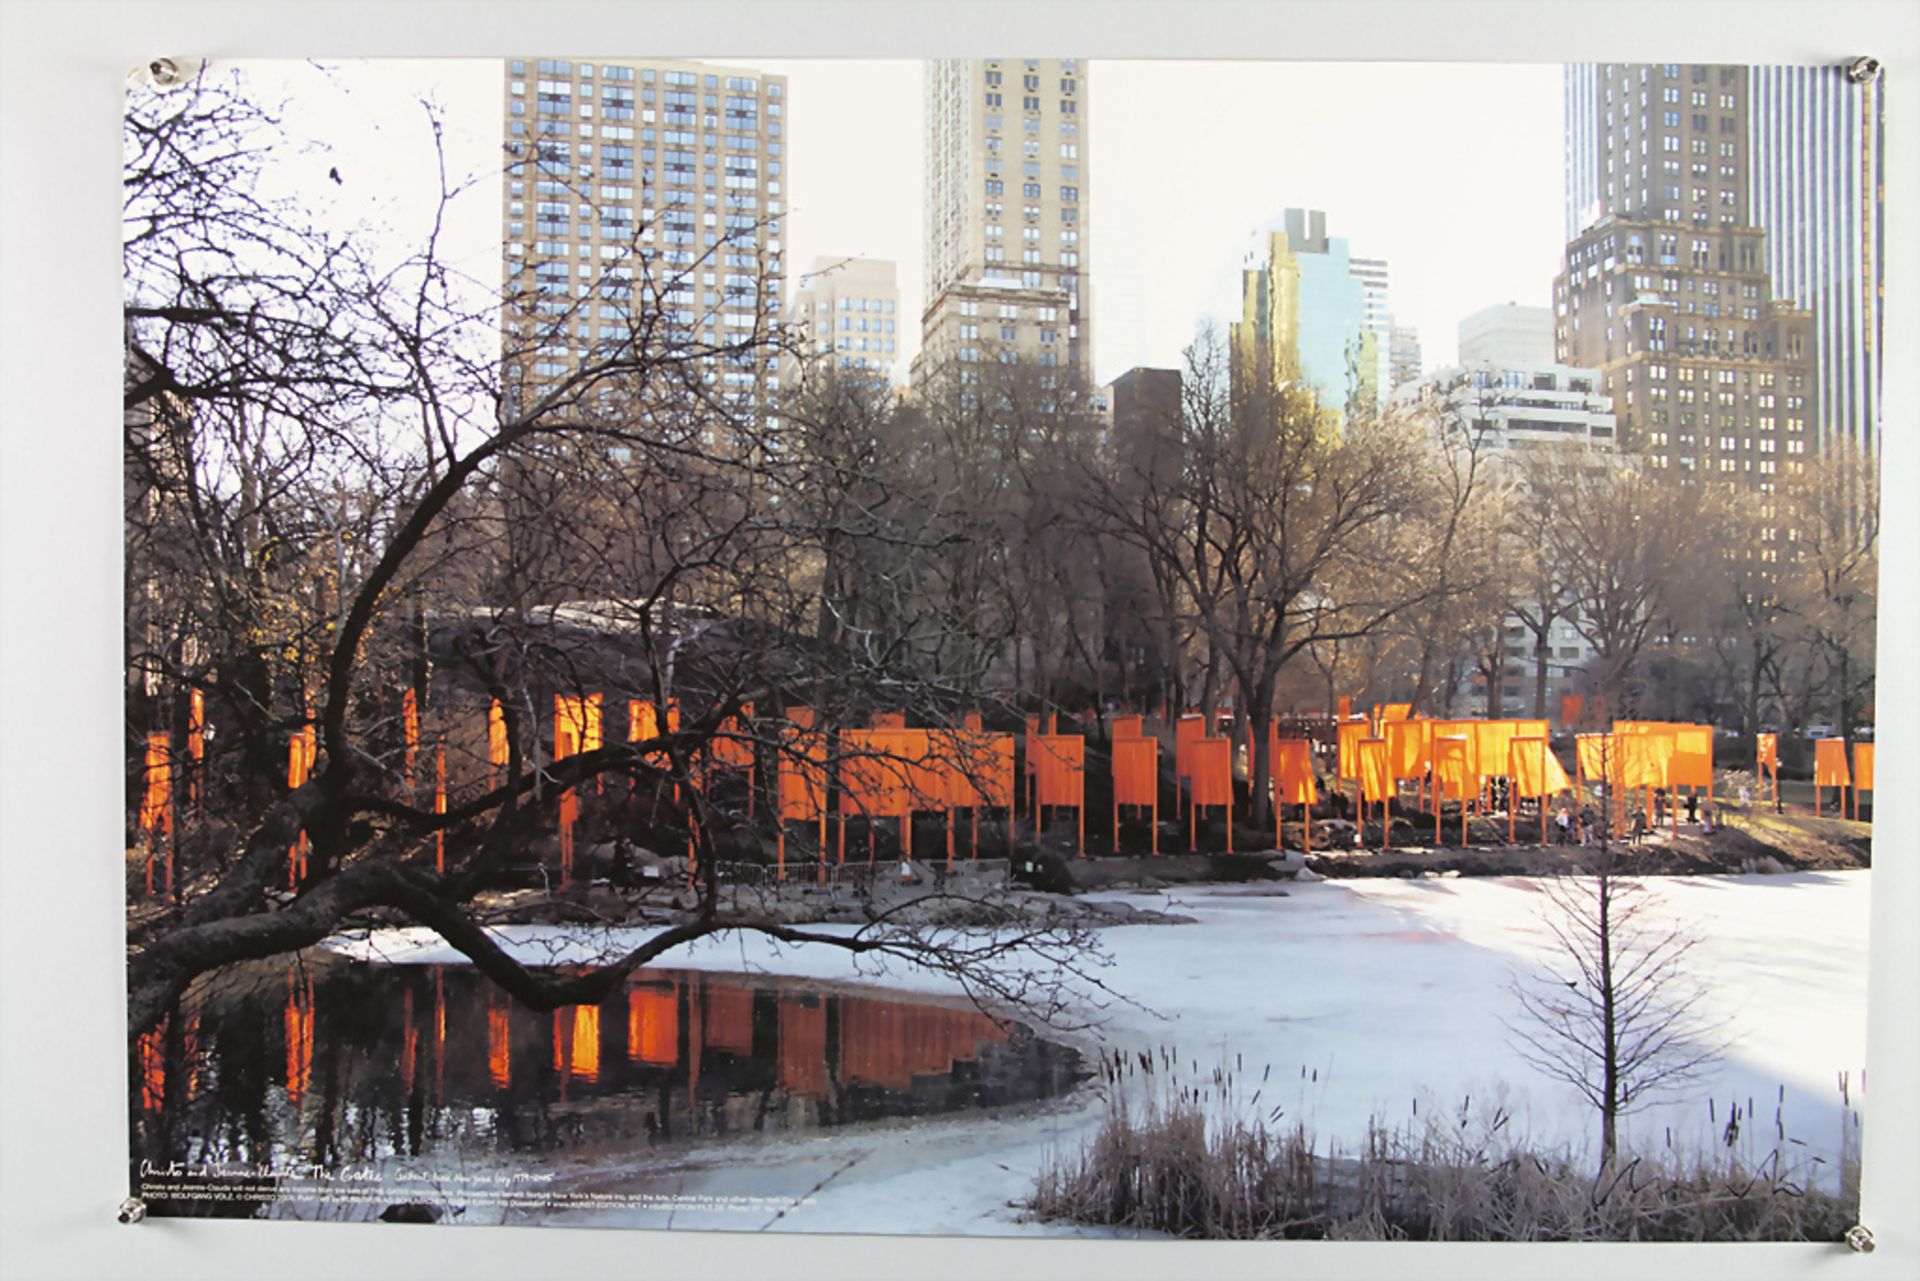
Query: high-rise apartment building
x=1664 y=288
x=635 y=186
x=846 y=312
x=1506 y=406
x=1007 y=216
x=1508 y=398
x=1378 y=320
x=1403 y=354
x=1508 y=333
x=1311 y=312
x=1817 y=172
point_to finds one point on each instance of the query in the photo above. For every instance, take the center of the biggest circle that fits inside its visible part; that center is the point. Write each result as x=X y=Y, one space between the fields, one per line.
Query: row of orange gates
x=888 y=771
x=1829 y=770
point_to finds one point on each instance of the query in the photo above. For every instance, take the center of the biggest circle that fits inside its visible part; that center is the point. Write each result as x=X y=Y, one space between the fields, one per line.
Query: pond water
x=339 y=1064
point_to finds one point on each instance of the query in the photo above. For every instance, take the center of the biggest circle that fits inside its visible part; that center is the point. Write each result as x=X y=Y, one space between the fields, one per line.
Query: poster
x=561 y=1052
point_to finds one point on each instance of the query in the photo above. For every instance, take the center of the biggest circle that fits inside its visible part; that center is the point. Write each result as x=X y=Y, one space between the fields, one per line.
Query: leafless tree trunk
x=1614 y=1013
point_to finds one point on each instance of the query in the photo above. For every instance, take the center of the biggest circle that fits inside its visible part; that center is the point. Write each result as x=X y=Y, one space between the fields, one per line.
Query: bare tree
x=1615 y=1014
x=1831 y=512
x=1752 y=626
x=1285 y=531
x=1465 y=557
x=1633 y=550
x=358 y=482
x=1543 y=593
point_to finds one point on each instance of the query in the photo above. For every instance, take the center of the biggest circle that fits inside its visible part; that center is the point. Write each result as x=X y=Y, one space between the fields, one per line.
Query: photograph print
x=1002 y=646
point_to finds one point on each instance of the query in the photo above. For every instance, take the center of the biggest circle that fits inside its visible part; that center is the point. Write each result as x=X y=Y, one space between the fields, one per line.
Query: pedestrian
x=1565 y=820
x=1693 y=808
x=1639 y=827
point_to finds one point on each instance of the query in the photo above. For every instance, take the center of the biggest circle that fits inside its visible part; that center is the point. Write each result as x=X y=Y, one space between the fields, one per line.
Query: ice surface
x=1367 y=998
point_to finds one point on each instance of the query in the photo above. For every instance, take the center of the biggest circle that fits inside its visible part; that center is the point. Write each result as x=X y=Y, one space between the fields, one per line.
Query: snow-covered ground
x=1367 y=998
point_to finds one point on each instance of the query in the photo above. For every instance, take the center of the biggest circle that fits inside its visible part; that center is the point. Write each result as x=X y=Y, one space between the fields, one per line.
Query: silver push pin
x=164 y=72
x=1859 y=1240
x=133 y=1210
x=1863 y=71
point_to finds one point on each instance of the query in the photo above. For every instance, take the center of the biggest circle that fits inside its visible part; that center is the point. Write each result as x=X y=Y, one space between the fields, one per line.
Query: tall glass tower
x=1816 y=160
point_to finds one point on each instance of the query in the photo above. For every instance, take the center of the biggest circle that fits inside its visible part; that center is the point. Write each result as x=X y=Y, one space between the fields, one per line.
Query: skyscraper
x=1311 y=312
x=653 y=184
x=1007 y=216
x=1664 y=287
x=845 y=311
x=1817 y=162
x=1372 y=274
x=1403 y=354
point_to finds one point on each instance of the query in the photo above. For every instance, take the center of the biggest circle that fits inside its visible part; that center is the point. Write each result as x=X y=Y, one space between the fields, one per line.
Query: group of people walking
x=1583 y=828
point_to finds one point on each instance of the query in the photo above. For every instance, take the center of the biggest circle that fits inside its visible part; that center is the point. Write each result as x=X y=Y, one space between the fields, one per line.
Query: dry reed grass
x=1190 y=1155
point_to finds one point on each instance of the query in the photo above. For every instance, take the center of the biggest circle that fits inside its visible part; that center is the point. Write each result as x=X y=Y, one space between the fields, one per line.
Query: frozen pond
x=1368 y=998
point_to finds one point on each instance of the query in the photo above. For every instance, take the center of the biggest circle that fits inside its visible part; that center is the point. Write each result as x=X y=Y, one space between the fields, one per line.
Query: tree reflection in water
x=323 y=1063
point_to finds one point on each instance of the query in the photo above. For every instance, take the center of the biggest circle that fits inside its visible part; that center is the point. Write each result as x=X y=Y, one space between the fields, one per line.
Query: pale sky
x=1451 y=172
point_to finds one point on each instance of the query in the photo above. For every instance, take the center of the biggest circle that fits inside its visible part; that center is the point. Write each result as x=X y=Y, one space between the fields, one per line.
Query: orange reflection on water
x=729 y=1023
x=499 y=1046
x=888 y=1044
x=586 y=1042
x=190 y=1049
x=150 y=1051
x=653 y=1025
x=299 y=1034
x=409 y=1041
x=439 y=1033
x=872 y=1045
x=803 y=1045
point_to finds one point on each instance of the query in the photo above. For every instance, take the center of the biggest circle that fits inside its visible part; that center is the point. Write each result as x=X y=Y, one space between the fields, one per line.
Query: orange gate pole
x=1543 y=790
x=1279 y=814
x=1579 y=790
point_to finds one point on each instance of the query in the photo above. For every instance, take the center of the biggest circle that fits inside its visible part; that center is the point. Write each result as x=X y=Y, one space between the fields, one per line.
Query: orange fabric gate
x=1212 y=785
x=1136 y=782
